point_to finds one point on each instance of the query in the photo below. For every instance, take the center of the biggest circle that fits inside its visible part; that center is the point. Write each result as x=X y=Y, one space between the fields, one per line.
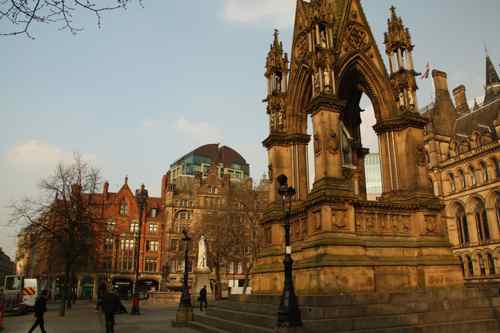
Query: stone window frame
x=123 y=209
x=150 y=264
x=153 y=228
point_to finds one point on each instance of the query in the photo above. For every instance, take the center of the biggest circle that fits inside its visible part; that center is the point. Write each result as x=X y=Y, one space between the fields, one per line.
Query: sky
x=155 y=82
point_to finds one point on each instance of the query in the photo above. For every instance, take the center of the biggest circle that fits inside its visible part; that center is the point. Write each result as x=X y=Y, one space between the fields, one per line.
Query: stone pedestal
x=201 y=279
x=183 y=316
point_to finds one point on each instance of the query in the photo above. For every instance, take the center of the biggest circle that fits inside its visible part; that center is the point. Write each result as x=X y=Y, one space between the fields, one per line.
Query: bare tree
x=65 y=221
x=232 y=231
x=21 y=15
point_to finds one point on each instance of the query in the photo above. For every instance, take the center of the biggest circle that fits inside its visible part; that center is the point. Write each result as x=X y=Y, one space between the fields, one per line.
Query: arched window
x=470 y=266
x=482 y=268
x=484 y=171
x=481 y=221
x=473 y=178
x=491 y=264
x=451 y=178
x=124 y=208
x=463 y=183
x=462 y=227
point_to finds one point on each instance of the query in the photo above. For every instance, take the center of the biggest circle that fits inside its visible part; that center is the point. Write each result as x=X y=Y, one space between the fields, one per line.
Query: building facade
x=196 y=185
x=463 y=155
x=115 y=263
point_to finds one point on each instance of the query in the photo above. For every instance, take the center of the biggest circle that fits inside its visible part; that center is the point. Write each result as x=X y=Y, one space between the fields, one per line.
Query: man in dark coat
x=100 y=293
x=110 y=305
x=40 y=309
x=203 y=298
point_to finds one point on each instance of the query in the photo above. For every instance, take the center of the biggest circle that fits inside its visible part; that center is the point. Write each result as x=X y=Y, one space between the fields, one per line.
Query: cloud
x=198 y=132
x=22 y=167
x=33 y=154
x=279 y=12
x=148 y=123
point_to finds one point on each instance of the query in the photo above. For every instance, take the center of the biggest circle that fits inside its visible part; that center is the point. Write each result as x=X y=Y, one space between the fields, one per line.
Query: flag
x=427 y=71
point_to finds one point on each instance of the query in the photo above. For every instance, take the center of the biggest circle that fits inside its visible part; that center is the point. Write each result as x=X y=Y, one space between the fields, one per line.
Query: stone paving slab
x=84 y=319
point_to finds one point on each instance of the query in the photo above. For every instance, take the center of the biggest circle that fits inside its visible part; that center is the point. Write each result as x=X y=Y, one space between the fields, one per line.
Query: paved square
x=84 y=319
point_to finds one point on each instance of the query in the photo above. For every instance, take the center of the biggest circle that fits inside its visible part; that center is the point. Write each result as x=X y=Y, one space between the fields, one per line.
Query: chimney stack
x=461 y=100
x=440 y=80
x=106 y=188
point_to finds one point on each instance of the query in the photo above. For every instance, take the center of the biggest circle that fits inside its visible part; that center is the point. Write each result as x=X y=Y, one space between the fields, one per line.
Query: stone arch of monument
x=348 y=243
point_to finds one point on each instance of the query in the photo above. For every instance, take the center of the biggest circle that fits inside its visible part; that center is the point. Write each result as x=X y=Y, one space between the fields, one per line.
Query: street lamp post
x=289 y=319
x=141 y=196
x=185 y=310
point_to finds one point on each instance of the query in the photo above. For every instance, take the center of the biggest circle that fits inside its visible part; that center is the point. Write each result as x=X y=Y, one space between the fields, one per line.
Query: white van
x=19 y=293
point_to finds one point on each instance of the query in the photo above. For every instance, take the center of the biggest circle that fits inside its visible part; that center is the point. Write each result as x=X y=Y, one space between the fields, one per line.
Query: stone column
x=327 y=151
x=492 y=223
x=327 y=140
x=473 y=232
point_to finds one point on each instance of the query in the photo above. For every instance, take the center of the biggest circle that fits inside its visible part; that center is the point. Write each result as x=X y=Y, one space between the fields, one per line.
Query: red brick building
x=115 y=262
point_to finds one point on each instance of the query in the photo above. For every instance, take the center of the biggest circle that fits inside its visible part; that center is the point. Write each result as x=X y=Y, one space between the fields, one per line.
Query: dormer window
x=123 y=208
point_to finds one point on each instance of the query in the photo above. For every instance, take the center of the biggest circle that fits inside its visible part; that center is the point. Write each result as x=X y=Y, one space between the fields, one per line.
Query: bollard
x=1 y=316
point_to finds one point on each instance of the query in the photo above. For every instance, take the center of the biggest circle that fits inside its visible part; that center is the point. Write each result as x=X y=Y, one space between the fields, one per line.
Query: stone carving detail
x=420 y=155
x=357 y=37
x=277 y=118
x=317 y=145
x=316 y=83
x=453 y=149
x=431 y=226
x=317 y=220
x=338 y=219
x=333 y=143
x=380 y=223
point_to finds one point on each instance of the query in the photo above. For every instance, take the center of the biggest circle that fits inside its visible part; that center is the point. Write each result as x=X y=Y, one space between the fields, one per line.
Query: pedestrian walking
x=100 y=293
x=40 y=309
x=203 y=298
x=110 y=305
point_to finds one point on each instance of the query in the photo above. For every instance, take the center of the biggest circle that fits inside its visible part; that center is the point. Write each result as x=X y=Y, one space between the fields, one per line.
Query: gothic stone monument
x=341 y=241
x=359 y=265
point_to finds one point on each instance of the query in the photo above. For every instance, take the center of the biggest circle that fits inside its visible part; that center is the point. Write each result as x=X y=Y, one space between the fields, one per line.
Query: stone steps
x=229 y=326
x=256 y=319
x=471 y=326
x=458 y=311
x=205 y=328
x=317 y=313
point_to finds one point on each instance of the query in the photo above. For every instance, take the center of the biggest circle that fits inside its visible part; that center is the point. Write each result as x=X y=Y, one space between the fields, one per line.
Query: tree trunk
x=247 y=277
x=66 y=286
x=218 y=287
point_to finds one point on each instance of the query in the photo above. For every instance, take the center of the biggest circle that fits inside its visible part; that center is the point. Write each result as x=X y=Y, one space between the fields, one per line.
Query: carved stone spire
x=492 y=82
x=399 y=50
x=277 y=83
x=491 y=72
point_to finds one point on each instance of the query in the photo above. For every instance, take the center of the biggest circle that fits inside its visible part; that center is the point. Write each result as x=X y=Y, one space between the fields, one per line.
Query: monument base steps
x=456 y=310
